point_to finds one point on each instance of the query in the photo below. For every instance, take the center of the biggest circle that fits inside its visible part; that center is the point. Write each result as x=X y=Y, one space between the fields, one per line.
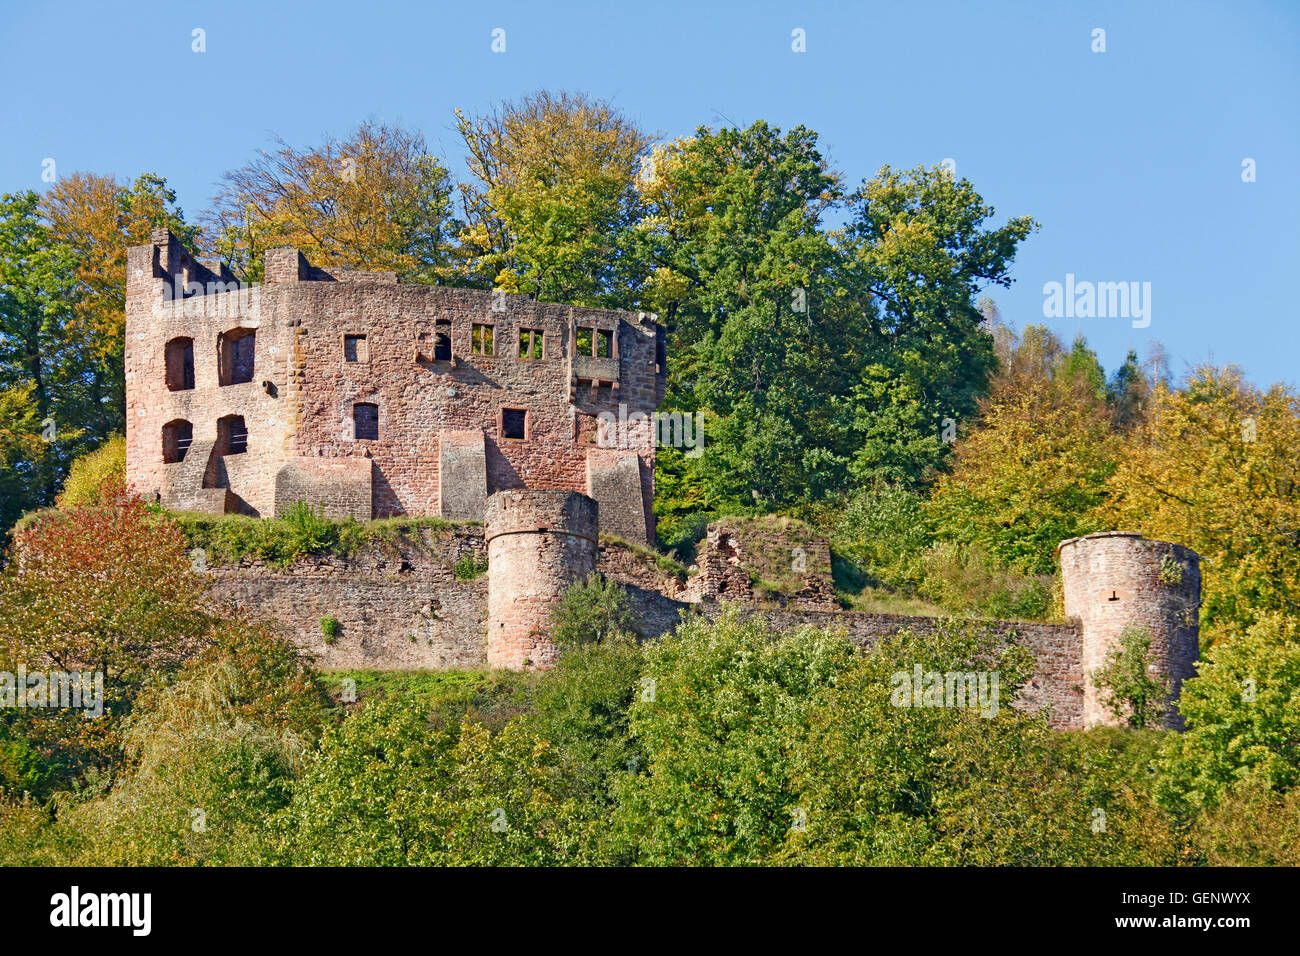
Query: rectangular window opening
x=355 y=349
x=514 y=424
x=481 y=339
x=530 y=344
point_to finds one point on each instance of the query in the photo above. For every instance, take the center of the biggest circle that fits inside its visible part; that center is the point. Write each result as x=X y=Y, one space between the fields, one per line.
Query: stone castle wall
x=408 y=589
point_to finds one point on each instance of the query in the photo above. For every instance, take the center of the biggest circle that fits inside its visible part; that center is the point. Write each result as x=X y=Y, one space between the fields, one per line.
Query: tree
x=1242 y=711
x=581 y=706
x=722 y=708
x=94 y=474
x=375 y=200
x=881 y=781
x=1215 y=469
x=1128 y=393
x=212 y=756
x=43 y=354
x=591 y=611
x=1034 y=471
x=106 y=588
x=385 y=789
x=97 y=218
x=918 y=244
x=760 y=331
x=551 y=197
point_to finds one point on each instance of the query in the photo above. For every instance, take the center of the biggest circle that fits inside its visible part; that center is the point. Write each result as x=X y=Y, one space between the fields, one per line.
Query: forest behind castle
x=842 y=346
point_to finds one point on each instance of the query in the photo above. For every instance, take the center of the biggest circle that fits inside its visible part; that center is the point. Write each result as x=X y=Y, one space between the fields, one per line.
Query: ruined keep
x=1115 y=580
x=367 y=397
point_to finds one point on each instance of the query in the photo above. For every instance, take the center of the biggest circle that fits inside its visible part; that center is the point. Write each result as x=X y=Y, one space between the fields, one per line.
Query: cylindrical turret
x=539 y=542
x=1117 y=579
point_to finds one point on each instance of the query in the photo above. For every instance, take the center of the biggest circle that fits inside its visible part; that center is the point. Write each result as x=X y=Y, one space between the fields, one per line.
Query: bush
x=109 y=584
x=681 y=535
x=329 y=626
x=1127 y=688
x=591 y=611
x=881 y=530
x=468 y=567
x=1242 y=719
x=92 y=472
x=581 y=705
x=964 y=579
x=721 y=706
x=386 y=789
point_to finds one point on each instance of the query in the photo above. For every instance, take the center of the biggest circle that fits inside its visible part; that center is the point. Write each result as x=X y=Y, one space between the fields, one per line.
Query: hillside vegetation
x=854 y=379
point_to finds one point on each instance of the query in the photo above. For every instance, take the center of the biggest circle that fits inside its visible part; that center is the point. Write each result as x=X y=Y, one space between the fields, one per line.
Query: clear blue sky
x=1130 y=159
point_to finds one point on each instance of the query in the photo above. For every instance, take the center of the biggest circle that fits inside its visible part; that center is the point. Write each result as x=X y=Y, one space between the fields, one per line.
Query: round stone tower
x=1117 y=579
x=538 y=543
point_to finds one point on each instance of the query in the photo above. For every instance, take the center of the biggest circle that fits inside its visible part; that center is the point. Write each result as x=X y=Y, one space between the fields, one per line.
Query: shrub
x=468 y=567
x=882 y=531
x=106 y=588
x=310 y=530
x=581 y=705
x=1129 y=691
x=1171 y=571
x=720 y=708
x=329 y=626
x=964 y=579
x=90 y=473
x=591 y=611
x=385 y=789
x=1242 y=716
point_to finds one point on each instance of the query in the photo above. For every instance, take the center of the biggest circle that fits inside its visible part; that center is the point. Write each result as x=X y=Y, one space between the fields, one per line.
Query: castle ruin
x=367 y=397
x=533 y=424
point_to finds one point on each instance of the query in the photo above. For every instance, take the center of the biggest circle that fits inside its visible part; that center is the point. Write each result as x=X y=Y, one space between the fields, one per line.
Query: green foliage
x=581 y=705
x=882 y=530
x=1033 y=472
x=591 y=611
x=886 y=785
x=965 y=580
x=722 y=706
x=210 y=757
x=1128 y=690
x=229 y=539
x=1171 y=571
x=468 y=567
x=1242 y=712
x=92 y=472
x=489 y=697
x=387 y=789
x=1250 y=825
x=329 y=626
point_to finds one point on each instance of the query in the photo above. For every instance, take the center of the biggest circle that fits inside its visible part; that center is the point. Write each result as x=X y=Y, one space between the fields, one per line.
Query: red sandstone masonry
x=539 y=543
x=299 y=405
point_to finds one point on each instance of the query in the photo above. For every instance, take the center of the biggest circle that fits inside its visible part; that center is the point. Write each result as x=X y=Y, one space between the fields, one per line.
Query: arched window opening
x=232 y=435
x=177 y=436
